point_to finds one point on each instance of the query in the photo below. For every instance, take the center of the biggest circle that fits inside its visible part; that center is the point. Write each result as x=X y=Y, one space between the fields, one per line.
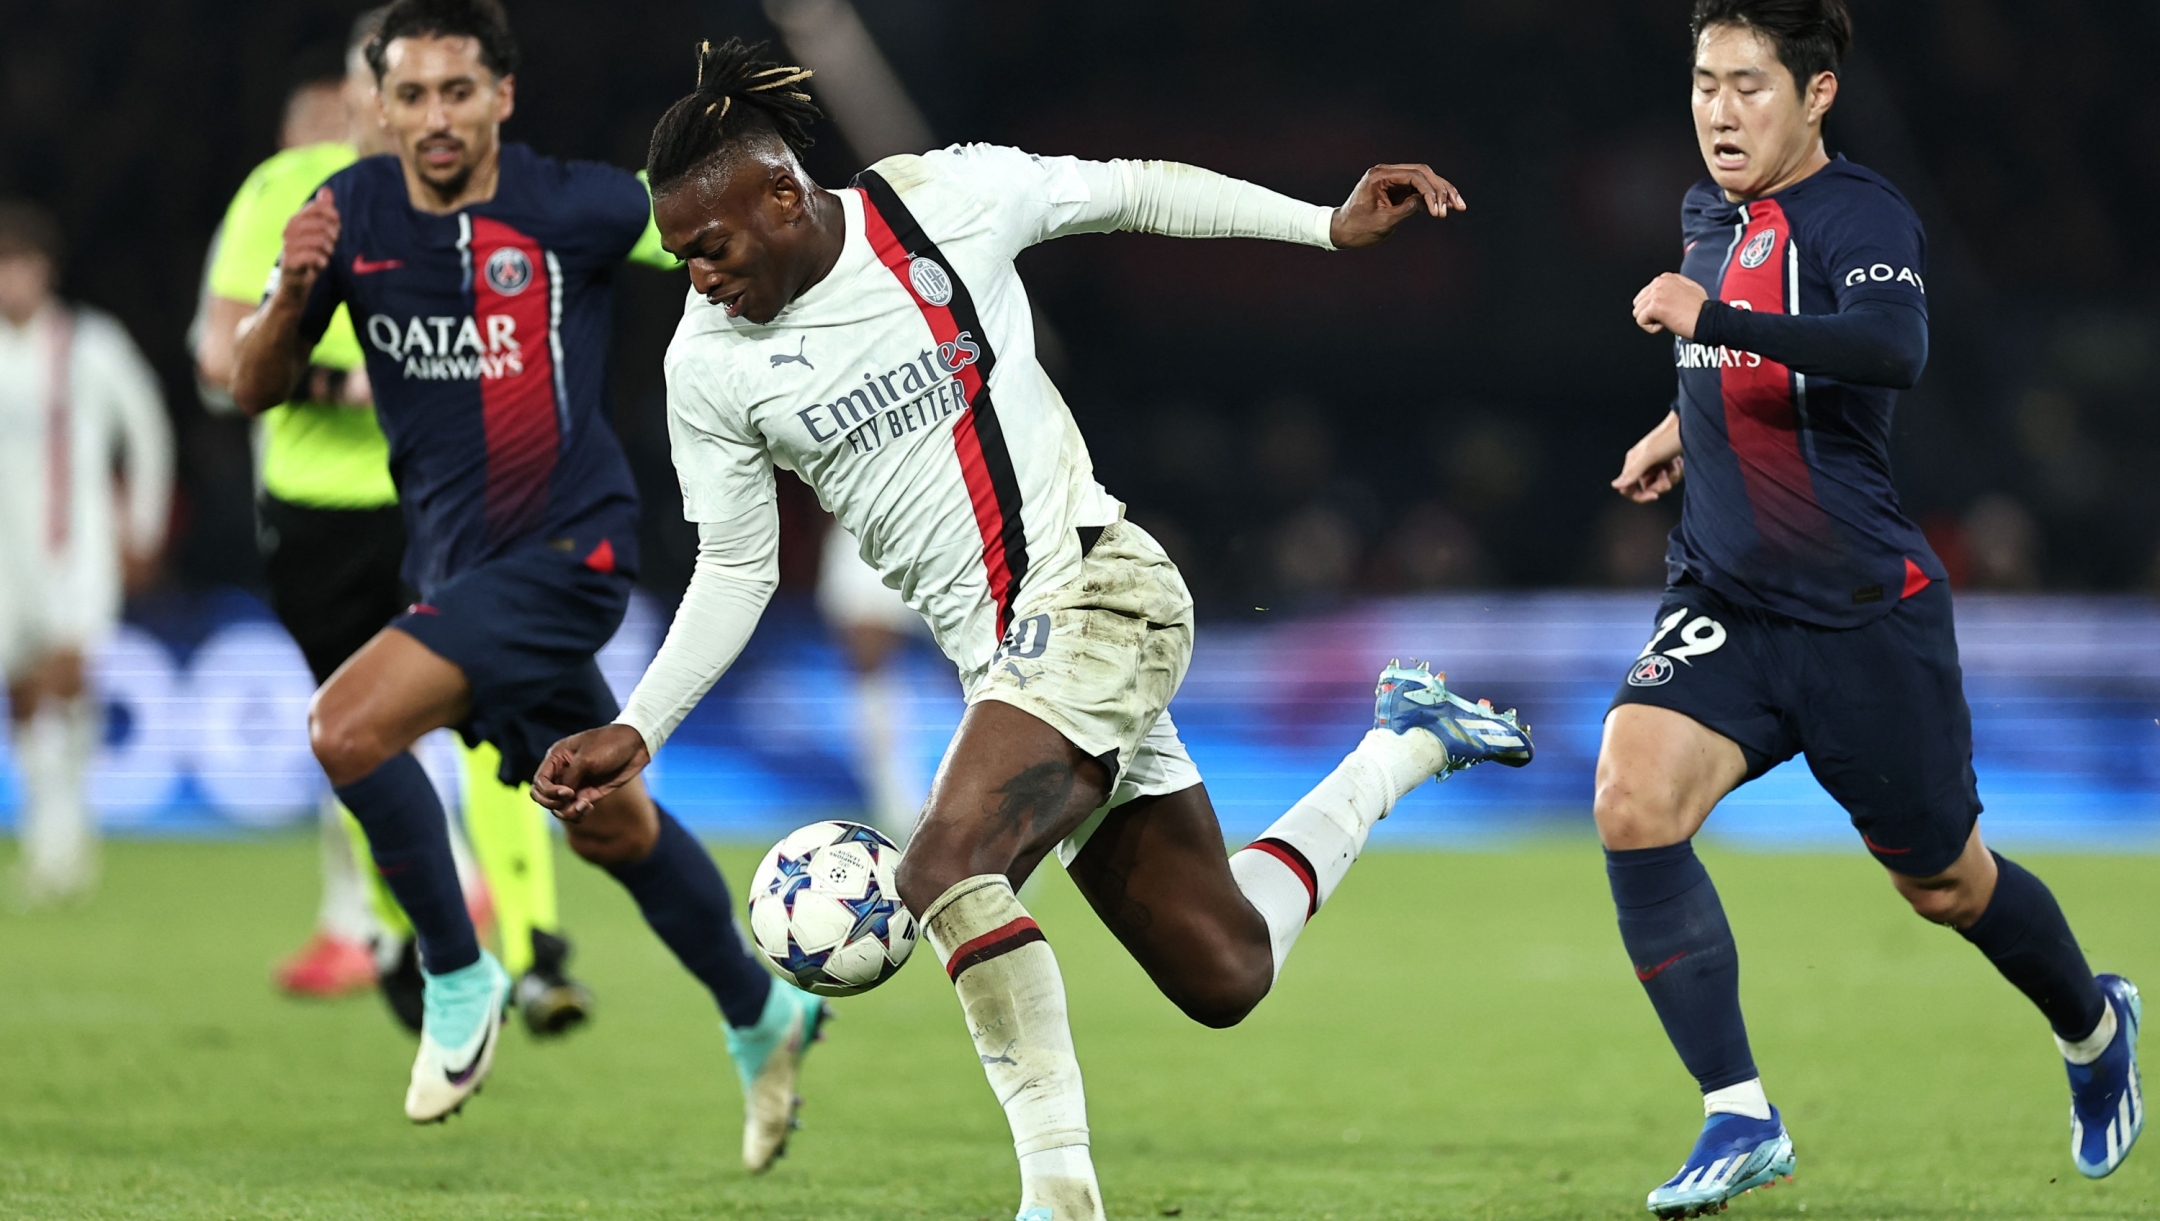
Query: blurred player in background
x=873 y=623
x=333 y=540
x=74 y=394
x=480 y=276
x=1070 y=626
x=1805 y=613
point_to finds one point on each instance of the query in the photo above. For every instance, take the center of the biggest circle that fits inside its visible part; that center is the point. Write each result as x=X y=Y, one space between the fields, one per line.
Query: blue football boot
x=1413 y=697
x=1735 y=1154
x=2107 y=1106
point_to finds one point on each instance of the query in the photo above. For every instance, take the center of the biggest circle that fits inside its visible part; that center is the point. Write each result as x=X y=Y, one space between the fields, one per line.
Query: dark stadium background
x=1298 y=428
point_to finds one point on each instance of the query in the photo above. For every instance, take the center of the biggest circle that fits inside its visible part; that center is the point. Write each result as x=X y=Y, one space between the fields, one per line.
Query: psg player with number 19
x=478 y=278
x=1806 y=614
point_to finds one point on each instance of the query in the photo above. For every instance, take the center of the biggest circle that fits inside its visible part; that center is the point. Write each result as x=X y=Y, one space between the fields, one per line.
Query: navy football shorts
x=524 y=628
x=1878 y=710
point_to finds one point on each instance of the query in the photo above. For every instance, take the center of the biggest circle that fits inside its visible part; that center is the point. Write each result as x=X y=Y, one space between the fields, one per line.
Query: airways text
x=450 y=348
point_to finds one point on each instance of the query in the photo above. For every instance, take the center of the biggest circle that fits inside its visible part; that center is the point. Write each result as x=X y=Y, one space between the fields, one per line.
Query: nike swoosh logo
x=1875 y=847
x=1646 y=974
x=459 y=1077
x=362 y=267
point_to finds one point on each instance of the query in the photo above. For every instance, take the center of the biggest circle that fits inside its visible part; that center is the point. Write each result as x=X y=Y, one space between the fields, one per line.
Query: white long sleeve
x=738 y=567
x=146 y=444
x=1179 y=200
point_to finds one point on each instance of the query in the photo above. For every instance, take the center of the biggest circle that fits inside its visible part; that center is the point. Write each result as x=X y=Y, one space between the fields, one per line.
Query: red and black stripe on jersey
x=523 y=418
x=985 y=462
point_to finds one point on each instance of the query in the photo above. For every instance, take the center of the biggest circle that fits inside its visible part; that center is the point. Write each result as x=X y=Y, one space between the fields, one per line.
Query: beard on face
x=450 y=185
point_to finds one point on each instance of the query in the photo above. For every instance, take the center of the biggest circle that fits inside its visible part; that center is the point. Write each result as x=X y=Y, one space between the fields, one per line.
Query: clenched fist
x=1672 y=302
x=310 y=239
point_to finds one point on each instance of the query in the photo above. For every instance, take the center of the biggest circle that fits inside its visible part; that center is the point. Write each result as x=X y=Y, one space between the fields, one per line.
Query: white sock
x=1295 y=865
x=1014 y=1000
x=877 y=755
x=59 y=838
x=1746 y=1098
x=2088 y=1049
x=344 y=912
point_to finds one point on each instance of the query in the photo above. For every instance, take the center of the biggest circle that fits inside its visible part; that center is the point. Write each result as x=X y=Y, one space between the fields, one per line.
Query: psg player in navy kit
x=478 y=277
x=1805 y=614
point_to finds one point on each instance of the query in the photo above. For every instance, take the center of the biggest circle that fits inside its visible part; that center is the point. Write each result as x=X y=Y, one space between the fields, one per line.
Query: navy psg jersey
x=486 y=333
x=1788 y=503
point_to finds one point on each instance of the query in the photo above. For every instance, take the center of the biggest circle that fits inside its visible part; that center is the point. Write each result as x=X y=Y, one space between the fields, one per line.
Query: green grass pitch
x=1457 y=1037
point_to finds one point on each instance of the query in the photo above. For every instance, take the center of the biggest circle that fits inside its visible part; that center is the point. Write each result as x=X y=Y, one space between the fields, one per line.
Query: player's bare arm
x=1387 y=196
x=270 y=355
x=1653 y=465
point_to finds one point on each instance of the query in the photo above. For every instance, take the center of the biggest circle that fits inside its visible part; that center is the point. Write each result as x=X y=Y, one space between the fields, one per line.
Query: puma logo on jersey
x=781 y=358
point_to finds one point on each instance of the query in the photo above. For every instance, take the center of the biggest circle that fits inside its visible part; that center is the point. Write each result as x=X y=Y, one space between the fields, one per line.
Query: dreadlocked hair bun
x=739 y=95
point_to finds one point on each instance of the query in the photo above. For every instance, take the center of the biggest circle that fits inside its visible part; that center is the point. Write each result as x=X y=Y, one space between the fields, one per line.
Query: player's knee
x=347 y=751
x=606 y=847
x=1952 y=904
x=1628 y=817
x=1221 y=996
x=611 y=840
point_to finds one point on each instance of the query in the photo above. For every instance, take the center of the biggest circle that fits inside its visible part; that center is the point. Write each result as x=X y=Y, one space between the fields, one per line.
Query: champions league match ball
x=824 y=910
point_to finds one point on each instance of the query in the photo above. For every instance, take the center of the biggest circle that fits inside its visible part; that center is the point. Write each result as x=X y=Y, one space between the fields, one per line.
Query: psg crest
x=1757 y=251
x=508 y=271
x=929 y=280
x=1652 y=671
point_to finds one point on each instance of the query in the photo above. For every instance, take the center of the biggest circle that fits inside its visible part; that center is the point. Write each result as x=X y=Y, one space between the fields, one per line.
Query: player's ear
x=1821 y=95
x=787 y=195
x=505 y=98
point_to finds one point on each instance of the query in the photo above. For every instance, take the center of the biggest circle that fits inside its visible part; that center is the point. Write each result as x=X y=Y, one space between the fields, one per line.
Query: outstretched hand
x=585 y=767
x=1387 y=196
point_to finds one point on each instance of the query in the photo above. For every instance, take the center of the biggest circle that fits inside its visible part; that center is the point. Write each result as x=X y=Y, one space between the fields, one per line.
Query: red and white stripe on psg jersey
x=986 y=464
x=523 y=414
x=1766 y=402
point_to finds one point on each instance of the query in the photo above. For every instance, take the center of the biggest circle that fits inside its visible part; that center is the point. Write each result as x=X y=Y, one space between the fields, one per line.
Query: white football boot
x=459 y=1030
x=768 y=1058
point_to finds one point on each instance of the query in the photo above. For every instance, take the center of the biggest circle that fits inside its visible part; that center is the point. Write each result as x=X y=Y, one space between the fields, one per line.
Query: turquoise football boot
x=768 y=1058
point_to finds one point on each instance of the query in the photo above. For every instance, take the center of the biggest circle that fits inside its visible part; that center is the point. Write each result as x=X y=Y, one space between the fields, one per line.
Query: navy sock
x=2024 y=934
x=410 y=841
x=1675 y=932
x=686 y=901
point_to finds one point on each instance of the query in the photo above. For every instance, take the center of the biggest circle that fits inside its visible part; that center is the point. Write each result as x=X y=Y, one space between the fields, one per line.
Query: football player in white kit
x=73 y=391
x=872 y=623
x=930 y=431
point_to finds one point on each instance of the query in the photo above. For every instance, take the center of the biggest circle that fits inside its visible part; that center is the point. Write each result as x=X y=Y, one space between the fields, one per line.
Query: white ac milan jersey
x=74 y=393
x=904 y=389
